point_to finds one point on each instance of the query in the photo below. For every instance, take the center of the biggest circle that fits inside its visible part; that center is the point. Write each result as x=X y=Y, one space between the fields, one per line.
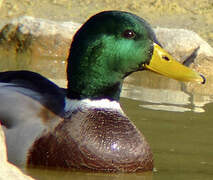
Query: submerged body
x=84 y=126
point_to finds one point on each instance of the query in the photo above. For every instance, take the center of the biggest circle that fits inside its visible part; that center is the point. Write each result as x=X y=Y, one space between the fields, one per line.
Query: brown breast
x=93 y=139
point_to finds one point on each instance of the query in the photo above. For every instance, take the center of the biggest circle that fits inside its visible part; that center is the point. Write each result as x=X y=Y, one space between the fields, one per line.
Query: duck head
x=110 y=46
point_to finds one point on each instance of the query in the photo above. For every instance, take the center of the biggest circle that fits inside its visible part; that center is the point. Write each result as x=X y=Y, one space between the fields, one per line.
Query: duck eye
x=129 y=34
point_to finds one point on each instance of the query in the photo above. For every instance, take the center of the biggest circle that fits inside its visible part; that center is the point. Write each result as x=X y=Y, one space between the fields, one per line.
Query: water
x=180 y=141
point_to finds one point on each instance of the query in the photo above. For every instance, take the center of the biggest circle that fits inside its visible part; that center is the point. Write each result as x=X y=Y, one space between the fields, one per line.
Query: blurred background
x=191 y=14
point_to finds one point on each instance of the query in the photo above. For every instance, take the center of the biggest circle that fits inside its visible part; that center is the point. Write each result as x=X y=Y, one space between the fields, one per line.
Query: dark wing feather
x=26 y=95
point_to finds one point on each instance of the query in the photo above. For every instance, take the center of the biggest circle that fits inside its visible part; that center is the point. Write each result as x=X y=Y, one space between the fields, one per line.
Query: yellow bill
x=163 y=63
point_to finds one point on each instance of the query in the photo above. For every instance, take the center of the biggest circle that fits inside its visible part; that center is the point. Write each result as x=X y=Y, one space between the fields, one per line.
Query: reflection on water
x=160 y=93
x=164 y=99
x=158 y=99
x=166 y=107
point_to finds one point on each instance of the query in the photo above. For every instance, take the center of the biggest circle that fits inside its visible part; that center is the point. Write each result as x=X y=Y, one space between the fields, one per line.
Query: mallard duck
x=83 y=126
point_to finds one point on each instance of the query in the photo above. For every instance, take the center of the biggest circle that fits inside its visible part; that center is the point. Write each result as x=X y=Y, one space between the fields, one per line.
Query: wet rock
x=7 y=170
x=182 y=43
x=25 y=40
x=49 y=38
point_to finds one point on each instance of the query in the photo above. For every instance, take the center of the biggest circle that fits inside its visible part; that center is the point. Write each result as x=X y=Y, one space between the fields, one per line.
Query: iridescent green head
x=107 y=48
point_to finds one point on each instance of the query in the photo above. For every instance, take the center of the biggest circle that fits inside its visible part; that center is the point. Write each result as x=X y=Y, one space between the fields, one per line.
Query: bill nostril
x=166 y=58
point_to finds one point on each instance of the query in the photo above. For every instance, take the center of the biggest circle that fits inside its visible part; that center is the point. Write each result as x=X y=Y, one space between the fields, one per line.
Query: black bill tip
x=204 y=79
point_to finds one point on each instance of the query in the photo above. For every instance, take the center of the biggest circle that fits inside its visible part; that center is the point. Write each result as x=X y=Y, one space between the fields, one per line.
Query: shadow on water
x=65 y=175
